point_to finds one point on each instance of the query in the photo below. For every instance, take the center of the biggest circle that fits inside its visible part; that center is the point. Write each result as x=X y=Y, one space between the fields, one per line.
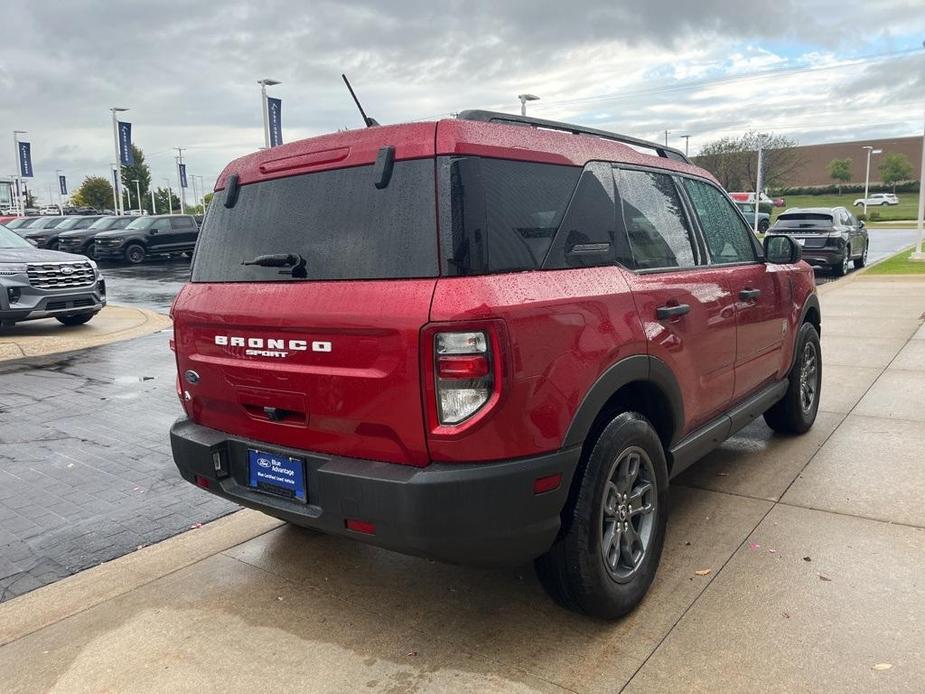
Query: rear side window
x=499 y=215
x=181 y=223
x=650 y=210
x=338 y=221
x=727 y=237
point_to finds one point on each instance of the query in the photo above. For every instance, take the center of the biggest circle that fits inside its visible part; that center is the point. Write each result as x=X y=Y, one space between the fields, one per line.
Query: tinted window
x=499 y=215
x=141 y=223
x=338 y=221
x=728 y=238
x=654 y=221
x=587 y=235
x=799 y=220
x=181 y=223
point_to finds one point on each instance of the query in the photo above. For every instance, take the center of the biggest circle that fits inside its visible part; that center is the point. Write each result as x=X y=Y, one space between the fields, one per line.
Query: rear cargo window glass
x=337 y=221
x=728 y=239
x=804 y=219
x=656 y=226
x=499 y=215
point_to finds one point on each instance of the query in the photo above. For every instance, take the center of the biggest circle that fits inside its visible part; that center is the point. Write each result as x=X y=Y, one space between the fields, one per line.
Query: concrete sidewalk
x=48 y=336
x=815 y=546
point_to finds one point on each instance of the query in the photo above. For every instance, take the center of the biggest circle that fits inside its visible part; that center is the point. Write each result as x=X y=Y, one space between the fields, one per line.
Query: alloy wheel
x=628 y=513
x=809 y=378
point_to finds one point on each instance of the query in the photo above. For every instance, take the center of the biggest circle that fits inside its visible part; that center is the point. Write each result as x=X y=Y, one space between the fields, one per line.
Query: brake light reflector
x=464 y=379
x=547 y=484
x=202 y=482
x=359 y=526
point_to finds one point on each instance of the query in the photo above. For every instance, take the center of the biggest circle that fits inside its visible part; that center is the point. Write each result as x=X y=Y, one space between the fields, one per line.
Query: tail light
x=463 y=378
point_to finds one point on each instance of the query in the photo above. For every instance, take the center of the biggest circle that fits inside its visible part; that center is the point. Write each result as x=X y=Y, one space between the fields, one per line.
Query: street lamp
x=137 y=183
x=115 y=142
x=524 y=98
x=264 y=83
x=20 y=203
x=169 y=199
x=919 y=254
x=687 y=142
x=667 y=133
x=870 y=150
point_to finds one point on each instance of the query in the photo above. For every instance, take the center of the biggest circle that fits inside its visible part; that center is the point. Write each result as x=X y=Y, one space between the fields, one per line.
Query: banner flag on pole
x=275 y=116
x=25 y=159
x=62 y=184
x=183 y=175
x=126 y=155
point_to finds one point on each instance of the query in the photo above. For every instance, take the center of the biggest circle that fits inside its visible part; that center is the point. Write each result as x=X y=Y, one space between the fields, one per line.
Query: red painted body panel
x=362 y=399
x=564 y=327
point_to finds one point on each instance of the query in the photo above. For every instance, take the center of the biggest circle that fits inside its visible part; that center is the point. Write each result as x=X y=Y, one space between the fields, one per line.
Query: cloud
x=188 y=71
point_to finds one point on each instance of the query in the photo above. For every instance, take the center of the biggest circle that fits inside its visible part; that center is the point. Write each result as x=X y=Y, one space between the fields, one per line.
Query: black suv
x=146 y=236
x=80 y=239
x=49 y=236
x=831 y=236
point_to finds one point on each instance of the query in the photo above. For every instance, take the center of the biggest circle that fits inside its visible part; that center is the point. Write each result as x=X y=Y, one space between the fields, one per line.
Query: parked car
x=50 y=210
x=38 y=283
x=877 y=200
x=39 y=229
x=748 y=209
x=147 y=236
x=49 y=236
x=779 y=202
x=7 y=218
x=83 y=211
x=81 y=240
x=830 y=236
x=484 y=359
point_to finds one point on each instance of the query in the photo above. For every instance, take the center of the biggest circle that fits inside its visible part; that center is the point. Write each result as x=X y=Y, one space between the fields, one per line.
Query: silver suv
x=38 y=283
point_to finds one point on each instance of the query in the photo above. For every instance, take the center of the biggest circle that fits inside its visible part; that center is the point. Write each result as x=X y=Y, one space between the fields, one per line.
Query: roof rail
x=497 y=117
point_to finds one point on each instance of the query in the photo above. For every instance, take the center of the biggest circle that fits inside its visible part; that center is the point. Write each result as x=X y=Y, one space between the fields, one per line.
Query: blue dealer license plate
x=277 y=474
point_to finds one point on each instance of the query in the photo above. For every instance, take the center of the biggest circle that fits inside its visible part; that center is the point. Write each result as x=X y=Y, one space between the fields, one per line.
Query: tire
x=90 y=251
x=53 y=246
x=71 y=321
x=862 y=261
x=763 y=225
x=841 y=269
x=796 y=411
x=135 y=253
x=574 y=571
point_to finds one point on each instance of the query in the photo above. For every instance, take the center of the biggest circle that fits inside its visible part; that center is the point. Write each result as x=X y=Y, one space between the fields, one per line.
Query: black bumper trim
x=472 y=513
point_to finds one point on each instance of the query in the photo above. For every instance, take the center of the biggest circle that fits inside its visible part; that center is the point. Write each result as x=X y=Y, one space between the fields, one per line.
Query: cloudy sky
x=817 y=70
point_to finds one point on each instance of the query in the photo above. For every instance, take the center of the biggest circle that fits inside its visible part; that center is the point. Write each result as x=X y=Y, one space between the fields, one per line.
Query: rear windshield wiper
x=296 y=263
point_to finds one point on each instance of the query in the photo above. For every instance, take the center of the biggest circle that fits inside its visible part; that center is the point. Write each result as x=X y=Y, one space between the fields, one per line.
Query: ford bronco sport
x=488 y=340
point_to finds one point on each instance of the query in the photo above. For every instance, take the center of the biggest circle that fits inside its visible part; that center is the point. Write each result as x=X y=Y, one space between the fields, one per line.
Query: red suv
x=486 y=340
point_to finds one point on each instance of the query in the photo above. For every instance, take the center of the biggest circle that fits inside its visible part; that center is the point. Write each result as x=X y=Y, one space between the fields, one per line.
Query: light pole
x=524 y=98
x=918 y=254
x=687 y=142
x=137 y=183
x=115 y=187
x=153 y=202
x=870 y=150
x=667 y=133
x=60 y=198
x=115 y=142
x=202 y=192
x=128 y=196
x=179 y=159
x=169 y=198
x=20 y=203
x=264 y=83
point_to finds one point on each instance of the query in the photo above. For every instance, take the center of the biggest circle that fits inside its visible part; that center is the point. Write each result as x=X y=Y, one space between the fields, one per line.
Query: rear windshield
x=804 y=219
x=337 y=221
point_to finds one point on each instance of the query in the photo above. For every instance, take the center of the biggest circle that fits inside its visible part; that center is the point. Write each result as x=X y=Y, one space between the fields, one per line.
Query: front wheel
x=796 y=411
x=763 y=225
x=862 y=261
x=605 y=557
x=135 y=253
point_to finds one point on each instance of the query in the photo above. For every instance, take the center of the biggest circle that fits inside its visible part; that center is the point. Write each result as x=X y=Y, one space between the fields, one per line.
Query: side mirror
x=782 y=250
x=861 y=224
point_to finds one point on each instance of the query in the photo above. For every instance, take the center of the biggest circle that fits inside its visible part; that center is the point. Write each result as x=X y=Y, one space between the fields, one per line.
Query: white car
x=50 y=210
x=877 y=199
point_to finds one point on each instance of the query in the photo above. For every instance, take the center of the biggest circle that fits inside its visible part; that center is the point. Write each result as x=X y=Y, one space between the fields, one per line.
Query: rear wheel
x=840 y=269
x=79 y=319
x=135 y=253
x=611 y=541
x=796 y=411
x=862 y=261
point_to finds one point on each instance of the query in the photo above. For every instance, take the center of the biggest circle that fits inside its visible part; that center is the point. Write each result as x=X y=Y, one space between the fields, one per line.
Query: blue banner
x=126 y=155
x=182 y=168
x=25 y=160
x=275 y=117
x=62 y=185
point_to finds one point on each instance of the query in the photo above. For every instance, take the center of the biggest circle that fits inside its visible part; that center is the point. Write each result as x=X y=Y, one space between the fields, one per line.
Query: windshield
x=19 y=223
x=338 y=222
x=10 y=240
x=46 y=223
x=138 y=223
x=746 y=207
x=69 y=223
x=110 y=223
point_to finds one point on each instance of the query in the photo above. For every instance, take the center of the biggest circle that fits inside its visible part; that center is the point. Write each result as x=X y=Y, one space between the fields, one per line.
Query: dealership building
x=816 y=158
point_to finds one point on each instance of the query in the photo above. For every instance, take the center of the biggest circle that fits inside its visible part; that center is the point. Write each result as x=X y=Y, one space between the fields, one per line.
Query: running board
x=698 y=443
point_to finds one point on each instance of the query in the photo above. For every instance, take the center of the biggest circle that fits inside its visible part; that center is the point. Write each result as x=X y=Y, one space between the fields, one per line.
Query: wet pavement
x=86 y=473
x=152 y=285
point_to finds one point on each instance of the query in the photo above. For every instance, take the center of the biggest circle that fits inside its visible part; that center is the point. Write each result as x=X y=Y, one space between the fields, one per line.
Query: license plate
x=277 y=474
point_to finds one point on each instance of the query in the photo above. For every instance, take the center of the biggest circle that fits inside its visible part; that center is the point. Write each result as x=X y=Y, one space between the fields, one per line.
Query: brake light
x=464 y=378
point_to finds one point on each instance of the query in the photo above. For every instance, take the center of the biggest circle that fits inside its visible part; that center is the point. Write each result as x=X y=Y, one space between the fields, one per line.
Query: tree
x=840 y=171
x=160 y=196
x=96 y=192
x=139 y=170
x=895 y=167
x=734 y=160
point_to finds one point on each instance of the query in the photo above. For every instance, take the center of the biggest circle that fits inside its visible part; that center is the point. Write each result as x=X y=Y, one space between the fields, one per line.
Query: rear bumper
x=479 y=513
x=824 y=256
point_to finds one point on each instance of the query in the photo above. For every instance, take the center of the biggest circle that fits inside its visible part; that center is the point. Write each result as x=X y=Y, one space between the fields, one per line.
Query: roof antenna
x=370 y=122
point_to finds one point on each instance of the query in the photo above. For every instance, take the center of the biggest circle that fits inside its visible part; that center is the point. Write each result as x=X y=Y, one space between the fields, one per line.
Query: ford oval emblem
x=191 y=377
x=68 y=269
x=263 y=462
